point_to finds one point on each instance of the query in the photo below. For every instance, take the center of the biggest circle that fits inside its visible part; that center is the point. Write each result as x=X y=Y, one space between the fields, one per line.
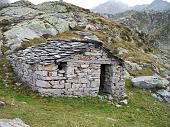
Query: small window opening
x=62 y=65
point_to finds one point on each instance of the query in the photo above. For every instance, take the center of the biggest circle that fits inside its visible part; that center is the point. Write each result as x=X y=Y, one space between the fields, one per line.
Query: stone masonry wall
x=77 y=76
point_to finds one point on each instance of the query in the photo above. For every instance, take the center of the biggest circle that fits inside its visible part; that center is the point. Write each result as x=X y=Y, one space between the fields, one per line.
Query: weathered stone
x=59 y=86
x=84 y=65
x=51 y=92
x=62 y=71
x=78 y=93
x=43 y=73
x=54 y=73
x=76 y=86
x=2 y=103
x=83 y=80
x=43 y=84
x=164 y=94
x=12 y=123
x=67 y=86
x=123 y=102
x=70 y=71
x=95 y=84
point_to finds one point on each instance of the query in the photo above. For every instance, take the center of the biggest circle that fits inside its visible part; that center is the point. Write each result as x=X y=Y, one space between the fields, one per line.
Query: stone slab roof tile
x=51 y=50
x=58 y=50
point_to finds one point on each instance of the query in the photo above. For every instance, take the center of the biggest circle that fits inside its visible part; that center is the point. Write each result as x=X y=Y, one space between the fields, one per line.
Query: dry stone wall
x=80 y=75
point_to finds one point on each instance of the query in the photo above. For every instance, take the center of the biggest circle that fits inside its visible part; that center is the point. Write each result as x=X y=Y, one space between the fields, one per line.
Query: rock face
x=150 y=82
x=70 y=68
x=22 y=17
x=12 y=123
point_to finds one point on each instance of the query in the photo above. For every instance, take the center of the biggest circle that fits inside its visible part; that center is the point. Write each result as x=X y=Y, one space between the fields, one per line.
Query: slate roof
x=58 y=50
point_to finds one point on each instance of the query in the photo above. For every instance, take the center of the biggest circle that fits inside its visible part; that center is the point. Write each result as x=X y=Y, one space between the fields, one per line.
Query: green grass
x=142 y=110
x=33 y=42
x=146 y=72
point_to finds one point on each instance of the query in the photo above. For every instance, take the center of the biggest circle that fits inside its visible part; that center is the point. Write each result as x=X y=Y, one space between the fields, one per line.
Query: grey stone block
x=43 y=84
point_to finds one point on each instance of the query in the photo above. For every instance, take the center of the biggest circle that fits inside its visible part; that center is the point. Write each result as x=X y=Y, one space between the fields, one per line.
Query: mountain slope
x=111 y=7
x=157 y=24
x=158 y=5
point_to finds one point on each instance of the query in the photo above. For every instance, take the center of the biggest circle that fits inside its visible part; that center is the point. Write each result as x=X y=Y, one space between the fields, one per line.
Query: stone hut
x=70 y=68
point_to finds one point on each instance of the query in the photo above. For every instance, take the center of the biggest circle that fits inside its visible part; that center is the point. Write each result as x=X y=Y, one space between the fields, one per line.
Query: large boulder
x=12 y=123
x=150 y=82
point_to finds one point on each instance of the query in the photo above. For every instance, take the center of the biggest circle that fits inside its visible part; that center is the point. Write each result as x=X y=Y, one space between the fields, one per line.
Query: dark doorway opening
x=106 y=78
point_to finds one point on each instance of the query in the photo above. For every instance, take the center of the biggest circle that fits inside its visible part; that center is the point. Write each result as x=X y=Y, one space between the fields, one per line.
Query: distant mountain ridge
x=4 y=1
x=156 y=5
x=113 y=7
x=155 y=23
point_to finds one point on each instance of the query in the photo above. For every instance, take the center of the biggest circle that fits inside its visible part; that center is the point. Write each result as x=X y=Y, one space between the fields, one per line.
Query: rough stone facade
x=63 y=68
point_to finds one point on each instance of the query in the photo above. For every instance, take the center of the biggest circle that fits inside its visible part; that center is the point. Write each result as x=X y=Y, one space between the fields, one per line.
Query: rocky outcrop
x=49 y=18
x=150 y=82
x=12 y=123
x=159 y=87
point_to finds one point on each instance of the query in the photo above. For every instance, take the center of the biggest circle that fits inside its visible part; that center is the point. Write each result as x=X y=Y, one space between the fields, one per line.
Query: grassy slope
x=142 y=111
